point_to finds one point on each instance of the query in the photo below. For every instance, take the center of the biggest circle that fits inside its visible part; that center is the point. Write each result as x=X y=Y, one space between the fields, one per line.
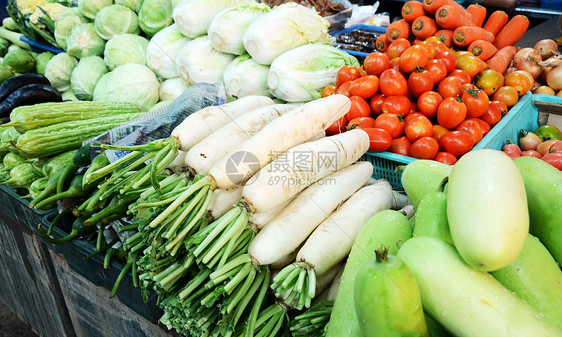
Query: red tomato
x=376 y=103
x=362 y=71
x=395 y=64
x=448 y=58
x=396 y=105
x=461 y=74
x=472 y=127
x=506 y=94
x=424 y=148
x=438 y=131
x=413 y=57
x=456 y=142
x=361 y=123
x=531 y=153
x=328 y=90
x=401 y=146
x=554 y=159
x=344 y=89
x=420 y=81
x=412 y=116
x=418 y=127
x=451 y=112
x=393 y=83
x=375 y=63
x=445 y=158
x=450 y=86
x=428 y=102
x=438 y=45
x=337 y=127
x=397 y=47
x=347 y=73
x=520 y=81
x=359 y=108
x=437 y=69
x=471 y=64
x=485 y=127
x=392 y=123
x=365 y=86
x=380 y=140
x=476 y=101
x=429 y=49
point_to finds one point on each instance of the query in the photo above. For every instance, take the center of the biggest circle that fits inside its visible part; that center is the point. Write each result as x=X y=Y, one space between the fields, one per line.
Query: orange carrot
x=412 y=10
x=465 y=35
x=382 y=43
x=432 y=6
x=501 y=59
x=482 y=49
x=496 y=22
x=450 y=17
x=512 y=31
x=424 y=27
x=478 y=13
x=397 y=29
x=445 y=36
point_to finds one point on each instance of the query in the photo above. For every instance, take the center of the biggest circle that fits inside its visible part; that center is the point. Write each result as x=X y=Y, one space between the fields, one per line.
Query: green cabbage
x=84 y=41
x=284 y=28
x=244 y=77
x=300 y=74
x=155 y=15
x=193 y=17
x=114 y=20
x=199 y=62
x=163 y=49
x=131 y=83
x=125 y=48
x=59 y=69
x=89 y=8
x=228 y=27
x=86 y=75
x=64 y=23
x=134 y=5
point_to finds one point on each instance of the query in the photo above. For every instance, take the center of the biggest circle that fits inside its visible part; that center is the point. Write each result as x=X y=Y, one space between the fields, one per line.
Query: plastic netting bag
x=159 y=123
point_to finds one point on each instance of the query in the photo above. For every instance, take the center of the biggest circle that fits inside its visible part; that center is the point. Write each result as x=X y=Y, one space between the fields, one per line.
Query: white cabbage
x=284 y=28
x=84 y=41
x=300 y=74
x=193 y=17
x=64 y=23
x=59 y=69
x=155 y=15
x=86 y=75
x=199 y=62
x=228 y=27
x=163 y=49
x=244 y=77
x=114 y=20
x=89 y=8
x=172 y=88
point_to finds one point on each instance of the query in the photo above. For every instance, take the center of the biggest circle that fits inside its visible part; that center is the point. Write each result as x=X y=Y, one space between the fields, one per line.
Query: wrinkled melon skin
x=487 y=209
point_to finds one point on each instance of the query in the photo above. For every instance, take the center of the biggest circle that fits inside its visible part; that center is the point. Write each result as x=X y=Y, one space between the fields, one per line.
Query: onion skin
x=528 y=140
x=546 y=48
x=554 y=78
x=531 y=153
x=528 y=59
x=544 y=90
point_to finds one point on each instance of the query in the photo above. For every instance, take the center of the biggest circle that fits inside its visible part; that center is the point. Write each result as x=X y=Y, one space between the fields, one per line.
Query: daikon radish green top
x=487 y=209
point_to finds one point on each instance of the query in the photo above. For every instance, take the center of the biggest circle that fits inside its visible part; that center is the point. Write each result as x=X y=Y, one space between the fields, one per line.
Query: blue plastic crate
x=377 y=29
x=523 y=115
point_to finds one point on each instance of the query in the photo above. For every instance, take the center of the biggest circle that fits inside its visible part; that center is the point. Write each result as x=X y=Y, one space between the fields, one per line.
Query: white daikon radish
x=408 y=210
x=293 y=225
x=301 y=166
x=400 y=200
x=204 y=122
x=178 y=164
x=293 y=128
x=331 y=242
x=201 y=157
x=223 y=200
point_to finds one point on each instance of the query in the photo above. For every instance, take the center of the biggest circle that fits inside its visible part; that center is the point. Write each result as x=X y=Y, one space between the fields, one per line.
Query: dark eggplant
x=28 y=95
x=12 y=84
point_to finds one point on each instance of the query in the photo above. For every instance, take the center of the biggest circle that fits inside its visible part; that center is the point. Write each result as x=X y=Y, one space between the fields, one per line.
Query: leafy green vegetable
x=84 y=41
x=85 y=77
x=42 y=60
x=155 y=15
x=89 y=8
x=114 y=20
x=134 y=5
x=244 y=77
x=64 y=23
x=125 y=48
x=163 y=49
x=59 y=69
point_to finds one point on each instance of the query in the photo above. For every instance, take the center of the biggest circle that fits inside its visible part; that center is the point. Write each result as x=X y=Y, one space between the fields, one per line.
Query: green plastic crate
x=523 y=115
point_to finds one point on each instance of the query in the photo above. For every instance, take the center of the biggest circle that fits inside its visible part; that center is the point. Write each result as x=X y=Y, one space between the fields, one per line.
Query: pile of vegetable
x=544 y=143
